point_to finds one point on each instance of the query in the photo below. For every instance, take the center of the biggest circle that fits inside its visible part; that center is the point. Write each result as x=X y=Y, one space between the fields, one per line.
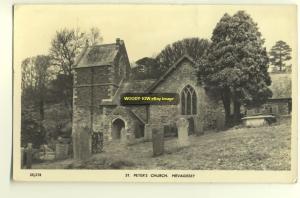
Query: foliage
x=279 y=54
x=47 y=87
x=30 y=127
x=36 y=75
x=65 y=47
x=281 y=85
x=194 y=47
x=67 y=44
x=236 y=63
x=147 y=68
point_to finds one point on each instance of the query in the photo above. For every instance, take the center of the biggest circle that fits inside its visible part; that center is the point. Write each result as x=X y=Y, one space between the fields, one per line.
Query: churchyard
x=237 y=148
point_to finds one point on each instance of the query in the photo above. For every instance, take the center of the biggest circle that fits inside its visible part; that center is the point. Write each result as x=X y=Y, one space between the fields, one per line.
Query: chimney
x=118 y=41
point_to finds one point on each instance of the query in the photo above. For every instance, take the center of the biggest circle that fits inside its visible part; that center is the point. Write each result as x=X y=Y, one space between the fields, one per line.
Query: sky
x=145 y=29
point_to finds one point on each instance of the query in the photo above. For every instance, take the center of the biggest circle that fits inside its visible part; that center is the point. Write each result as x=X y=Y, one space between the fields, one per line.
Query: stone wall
x=140 y=111
x=86 y=101
x=272 y=107
x=91 y=85
x=207 y=108
x=133 y=126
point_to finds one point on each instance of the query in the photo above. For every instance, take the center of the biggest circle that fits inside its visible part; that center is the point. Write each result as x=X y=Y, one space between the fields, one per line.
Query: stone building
x=281 y=102
x=102 y=74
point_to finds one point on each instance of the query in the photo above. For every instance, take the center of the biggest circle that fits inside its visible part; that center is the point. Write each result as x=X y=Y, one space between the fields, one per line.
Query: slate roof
x=281 y=85
x=97 y=55
x=128 y=112
x=143 y=86
x=137 y=86
x=134 y=86
x=169 y=71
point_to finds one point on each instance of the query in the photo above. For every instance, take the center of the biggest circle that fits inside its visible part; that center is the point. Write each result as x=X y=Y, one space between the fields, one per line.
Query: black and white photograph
x=163 y=92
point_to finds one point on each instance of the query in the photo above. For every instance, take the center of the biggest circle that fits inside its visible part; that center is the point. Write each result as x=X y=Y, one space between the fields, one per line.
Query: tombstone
x=29 y=155
x=157 y=141
x=123 y=136
x=183 y=136
x=147 y=132
x=61 y=151
x=220 y=122
x=130 y=139
x=199 y=130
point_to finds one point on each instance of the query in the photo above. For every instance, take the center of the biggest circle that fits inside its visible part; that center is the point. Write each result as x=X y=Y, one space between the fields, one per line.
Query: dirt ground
x=261 y=148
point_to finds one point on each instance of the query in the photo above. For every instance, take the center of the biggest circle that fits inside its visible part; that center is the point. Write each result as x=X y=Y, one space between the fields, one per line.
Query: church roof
x=143 y=86
x=97 y=55
x=169 y=71
x=137 y=86
x=134 y=86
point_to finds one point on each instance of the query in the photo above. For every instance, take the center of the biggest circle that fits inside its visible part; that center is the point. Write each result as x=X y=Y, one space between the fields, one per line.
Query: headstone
x=148 y=132
x=199 y=130
x=220 y=122
x=183 y=138
x=123 y=136
x=130 y=139
x=29 y=155
x=61 y=151
x=157 y=141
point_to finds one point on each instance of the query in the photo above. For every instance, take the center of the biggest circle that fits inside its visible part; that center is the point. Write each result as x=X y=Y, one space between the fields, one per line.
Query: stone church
x=102 y=74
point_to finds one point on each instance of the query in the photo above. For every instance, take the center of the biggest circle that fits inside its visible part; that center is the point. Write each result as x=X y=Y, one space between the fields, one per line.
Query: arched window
x=188 y=101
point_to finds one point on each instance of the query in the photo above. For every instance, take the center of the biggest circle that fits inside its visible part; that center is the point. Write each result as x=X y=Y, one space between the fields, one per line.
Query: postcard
x=155 y=93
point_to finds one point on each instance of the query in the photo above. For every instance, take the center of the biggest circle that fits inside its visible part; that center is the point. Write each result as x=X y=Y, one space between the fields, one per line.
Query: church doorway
x=117 y=126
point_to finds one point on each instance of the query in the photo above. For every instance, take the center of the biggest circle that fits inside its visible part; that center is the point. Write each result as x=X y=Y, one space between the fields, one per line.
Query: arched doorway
x=117 y=126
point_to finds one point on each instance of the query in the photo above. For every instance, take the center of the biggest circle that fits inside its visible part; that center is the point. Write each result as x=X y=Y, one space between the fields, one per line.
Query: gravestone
x=61 y=151
x=148 y=132
x=183 y=136
x=130 y=139
x=199 y=130
x=29 y=155
x=123 y=136
x=220 y=122
x=158 y=141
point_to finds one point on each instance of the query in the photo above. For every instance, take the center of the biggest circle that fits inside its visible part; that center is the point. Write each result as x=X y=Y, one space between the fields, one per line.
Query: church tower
x=98 y=73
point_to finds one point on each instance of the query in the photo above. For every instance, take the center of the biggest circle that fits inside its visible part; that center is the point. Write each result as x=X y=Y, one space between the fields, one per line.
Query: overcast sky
x=145 y=29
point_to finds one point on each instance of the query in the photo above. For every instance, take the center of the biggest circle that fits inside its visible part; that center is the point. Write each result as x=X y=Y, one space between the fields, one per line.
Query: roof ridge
x=138 y=117
x=103 y=44
x=155 y=84
x=82 y=53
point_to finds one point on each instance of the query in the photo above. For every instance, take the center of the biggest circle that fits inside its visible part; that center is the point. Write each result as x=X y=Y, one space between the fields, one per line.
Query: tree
x=279 y=54
x=94 y=36
x=36 y=74
x=146 y=68
x=65 y=47
x=194 y=47
x=236 y=64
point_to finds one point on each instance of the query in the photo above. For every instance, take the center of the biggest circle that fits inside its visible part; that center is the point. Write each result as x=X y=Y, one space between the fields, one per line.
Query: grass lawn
x=262 y=148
